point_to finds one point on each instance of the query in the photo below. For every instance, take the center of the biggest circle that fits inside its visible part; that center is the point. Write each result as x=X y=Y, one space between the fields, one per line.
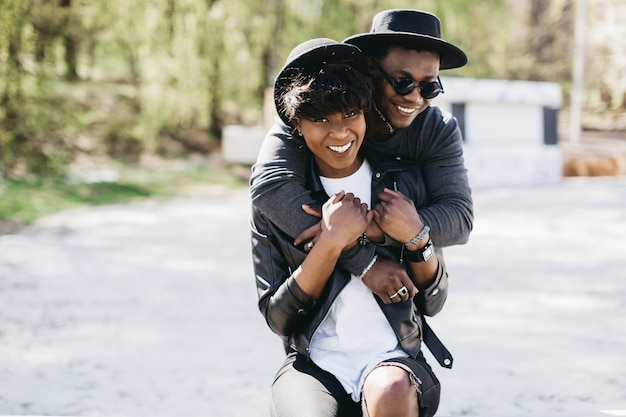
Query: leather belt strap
x=436 y=347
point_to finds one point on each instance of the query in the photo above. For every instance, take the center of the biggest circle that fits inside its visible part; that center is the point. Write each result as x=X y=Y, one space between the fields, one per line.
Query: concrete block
x=241 y=144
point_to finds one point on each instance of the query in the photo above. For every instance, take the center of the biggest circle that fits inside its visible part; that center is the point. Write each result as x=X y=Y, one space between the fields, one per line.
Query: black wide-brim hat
x=412 y=27
x=312 y=54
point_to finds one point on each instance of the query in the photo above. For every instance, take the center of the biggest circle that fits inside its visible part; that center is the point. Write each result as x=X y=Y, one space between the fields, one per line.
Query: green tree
x=126 y=78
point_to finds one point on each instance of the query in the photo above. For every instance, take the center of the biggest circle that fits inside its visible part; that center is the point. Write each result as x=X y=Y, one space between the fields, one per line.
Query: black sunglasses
x=406 y=85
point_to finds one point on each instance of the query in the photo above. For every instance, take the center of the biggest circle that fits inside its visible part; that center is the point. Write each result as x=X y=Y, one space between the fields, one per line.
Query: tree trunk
x=70 y=42
x=541 y=39
x=272 y=64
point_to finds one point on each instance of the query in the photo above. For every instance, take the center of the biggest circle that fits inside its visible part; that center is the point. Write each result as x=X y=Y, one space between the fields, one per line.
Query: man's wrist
x=419 y=240
x=422 y=254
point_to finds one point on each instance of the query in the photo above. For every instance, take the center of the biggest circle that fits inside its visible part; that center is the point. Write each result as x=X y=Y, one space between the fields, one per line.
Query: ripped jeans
x=303 y=389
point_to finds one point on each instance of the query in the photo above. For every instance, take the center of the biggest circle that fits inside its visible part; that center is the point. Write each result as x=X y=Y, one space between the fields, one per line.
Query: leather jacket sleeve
x=430 y=300
x=284 y=305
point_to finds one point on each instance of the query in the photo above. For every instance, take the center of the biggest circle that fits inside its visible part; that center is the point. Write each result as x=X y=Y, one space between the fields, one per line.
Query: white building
x=509 y=129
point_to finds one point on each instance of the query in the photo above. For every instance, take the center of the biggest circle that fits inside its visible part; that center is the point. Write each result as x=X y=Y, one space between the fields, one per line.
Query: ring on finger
x=309 y=245
x=394 y=295
x=402 y=291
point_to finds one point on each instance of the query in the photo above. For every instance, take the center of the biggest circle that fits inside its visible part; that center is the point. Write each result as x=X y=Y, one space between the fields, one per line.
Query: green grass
x=24 y=201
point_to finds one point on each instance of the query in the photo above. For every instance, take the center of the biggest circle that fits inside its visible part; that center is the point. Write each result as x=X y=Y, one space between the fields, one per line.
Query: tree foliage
x=120 y=78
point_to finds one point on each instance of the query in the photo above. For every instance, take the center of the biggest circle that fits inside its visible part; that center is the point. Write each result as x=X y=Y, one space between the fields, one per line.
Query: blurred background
x=121 y=309
x=99 y=87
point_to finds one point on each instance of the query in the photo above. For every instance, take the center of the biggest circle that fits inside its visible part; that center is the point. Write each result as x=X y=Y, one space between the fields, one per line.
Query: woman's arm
x=283 y=296
x=279 y=297
x=344 y=219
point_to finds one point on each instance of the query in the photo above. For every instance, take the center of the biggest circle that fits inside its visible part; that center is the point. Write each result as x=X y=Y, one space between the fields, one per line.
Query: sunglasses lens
x=404 y=86
x=430 y=90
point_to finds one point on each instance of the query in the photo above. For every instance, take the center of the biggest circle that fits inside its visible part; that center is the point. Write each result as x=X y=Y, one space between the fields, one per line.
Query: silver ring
x=309 y=245
x=403 y=291
x=394 y=295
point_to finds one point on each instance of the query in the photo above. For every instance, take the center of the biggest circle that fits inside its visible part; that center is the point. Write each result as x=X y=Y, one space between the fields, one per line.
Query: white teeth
x=341 y=149
x=405 y=109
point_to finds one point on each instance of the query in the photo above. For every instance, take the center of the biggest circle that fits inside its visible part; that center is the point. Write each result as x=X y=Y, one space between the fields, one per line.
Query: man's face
x=423 y=66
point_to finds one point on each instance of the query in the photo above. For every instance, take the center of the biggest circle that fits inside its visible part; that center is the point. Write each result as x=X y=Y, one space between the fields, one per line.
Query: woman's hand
x=344 y=219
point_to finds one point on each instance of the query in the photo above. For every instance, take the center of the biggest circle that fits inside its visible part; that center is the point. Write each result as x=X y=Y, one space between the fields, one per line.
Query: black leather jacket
x=294 y=315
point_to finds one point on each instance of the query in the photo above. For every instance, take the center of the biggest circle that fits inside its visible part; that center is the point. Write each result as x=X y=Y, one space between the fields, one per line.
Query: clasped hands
x=395 y=215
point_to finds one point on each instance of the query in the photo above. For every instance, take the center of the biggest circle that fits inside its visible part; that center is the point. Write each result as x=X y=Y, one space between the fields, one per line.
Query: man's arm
x=434 y=141
x=449 y=212
x=277 y=182
x=277 y=189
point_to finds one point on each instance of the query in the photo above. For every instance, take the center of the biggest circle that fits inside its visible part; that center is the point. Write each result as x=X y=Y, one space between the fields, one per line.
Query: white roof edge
x=484 y=90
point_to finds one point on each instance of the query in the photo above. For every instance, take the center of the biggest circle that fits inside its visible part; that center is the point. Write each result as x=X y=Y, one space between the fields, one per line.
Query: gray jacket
x=433 y=140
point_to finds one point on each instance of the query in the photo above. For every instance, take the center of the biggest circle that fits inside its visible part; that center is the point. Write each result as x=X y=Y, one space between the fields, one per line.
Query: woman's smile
x=340 y=149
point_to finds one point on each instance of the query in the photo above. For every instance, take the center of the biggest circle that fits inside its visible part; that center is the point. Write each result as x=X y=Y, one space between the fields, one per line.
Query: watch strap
x=422 y=254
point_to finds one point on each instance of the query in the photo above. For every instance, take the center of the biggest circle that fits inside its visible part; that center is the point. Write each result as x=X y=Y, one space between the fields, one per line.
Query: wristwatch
x=421 y=255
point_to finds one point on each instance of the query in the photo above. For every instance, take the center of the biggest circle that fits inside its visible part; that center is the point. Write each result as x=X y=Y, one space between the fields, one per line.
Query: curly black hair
x=327 y=89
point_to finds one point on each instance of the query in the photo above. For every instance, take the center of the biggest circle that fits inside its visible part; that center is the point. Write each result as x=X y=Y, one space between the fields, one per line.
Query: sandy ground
x=150 y=309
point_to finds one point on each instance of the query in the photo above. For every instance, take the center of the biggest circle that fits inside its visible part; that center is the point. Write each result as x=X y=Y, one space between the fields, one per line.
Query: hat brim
x=450 y=55
x=322 y=55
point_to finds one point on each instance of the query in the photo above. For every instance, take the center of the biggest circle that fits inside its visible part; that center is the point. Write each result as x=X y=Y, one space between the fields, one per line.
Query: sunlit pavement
x=150 y=309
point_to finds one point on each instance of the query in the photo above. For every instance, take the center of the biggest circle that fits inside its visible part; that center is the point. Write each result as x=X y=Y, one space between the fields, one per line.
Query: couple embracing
x=356 y=188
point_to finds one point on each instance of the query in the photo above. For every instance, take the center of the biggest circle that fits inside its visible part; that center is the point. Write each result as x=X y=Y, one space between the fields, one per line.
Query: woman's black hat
x=312 y=54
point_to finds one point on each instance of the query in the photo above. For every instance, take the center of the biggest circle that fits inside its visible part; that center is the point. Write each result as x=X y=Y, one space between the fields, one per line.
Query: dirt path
x=150 y=309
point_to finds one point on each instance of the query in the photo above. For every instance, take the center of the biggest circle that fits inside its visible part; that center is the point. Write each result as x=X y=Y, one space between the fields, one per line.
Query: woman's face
x=335 y=141
x=399 y=110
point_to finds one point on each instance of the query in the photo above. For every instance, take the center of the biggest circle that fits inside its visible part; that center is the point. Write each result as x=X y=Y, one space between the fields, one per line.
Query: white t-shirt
x=355 y=335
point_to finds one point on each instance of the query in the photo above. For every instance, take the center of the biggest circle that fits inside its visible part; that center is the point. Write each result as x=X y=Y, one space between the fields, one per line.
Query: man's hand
x=385 y=278
x=396 y=215
x=312 y=233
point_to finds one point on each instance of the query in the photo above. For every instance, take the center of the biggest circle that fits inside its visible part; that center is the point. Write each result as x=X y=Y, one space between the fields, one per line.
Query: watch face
x=429 y=250
x=421 y=255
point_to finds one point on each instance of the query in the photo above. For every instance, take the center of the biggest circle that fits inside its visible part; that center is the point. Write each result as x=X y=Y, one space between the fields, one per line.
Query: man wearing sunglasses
x=405 y=53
